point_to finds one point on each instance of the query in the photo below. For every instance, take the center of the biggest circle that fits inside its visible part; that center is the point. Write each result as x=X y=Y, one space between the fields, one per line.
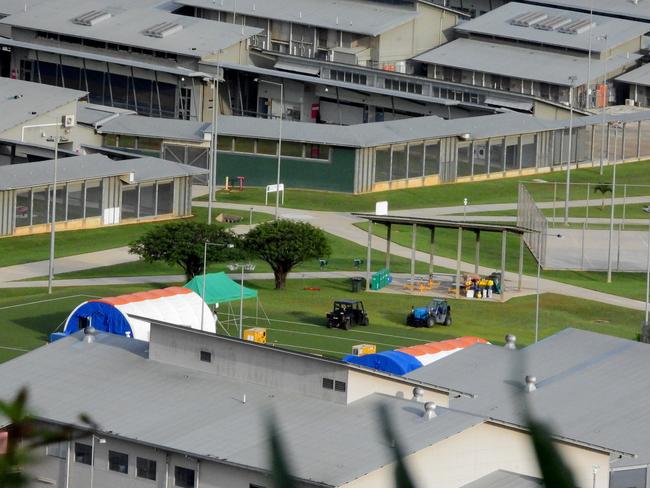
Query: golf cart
x=437 y=311
x=346 y=313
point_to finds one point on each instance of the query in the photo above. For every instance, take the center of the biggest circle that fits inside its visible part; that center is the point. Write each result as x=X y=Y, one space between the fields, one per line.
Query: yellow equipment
x=363 y=349
x=255 y=334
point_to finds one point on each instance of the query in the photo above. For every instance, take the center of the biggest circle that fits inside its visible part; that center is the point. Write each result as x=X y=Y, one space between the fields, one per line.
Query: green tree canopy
x=284 y=243
x=182 y=243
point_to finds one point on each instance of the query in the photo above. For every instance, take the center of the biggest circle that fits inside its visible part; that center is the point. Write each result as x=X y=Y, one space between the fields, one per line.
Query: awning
x=219 y=288
x=297 y=68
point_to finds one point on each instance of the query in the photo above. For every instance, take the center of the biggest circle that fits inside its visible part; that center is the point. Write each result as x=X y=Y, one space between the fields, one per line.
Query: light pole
x=591 y=22
x=606 y=96
x=277 y=187
x=214 y=81
x=205 y=265
x=50 y=276
x=616 y=126
x=647 y=278
x=243 y=267
x=572 y=80
x=101 y=440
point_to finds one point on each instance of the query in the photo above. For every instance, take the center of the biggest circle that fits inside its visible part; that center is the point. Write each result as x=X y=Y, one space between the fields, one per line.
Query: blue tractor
x=437 y=311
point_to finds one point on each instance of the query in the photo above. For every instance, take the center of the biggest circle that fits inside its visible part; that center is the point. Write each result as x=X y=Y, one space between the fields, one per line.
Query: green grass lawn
x=25 y=249
x=490 y=191
x=299 y=317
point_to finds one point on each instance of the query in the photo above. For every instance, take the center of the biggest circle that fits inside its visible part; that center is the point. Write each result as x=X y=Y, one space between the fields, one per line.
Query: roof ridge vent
x=577 y=27
x=91 y=18
x=163 y=29
x=553 y=23
x=528 y=19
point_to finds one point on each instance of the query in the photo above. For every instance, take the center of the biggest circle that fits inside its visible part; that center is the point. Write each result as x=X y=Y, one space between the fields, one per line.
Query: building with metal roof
x=638 y=83
x=638 y=11
x=93 y=191
x=506 y=479
x=588 y=386
x=195 y=406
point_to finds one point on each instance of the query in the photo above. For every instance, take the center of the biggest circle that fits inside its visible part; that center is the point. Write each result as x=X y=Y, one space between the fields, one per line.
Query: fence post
x=554 y=197
x=624 y=203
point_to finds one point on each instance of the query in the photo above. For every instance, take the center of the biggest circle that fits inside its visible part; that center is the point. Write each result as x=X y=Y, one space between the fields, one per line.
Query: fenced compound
x=595 y=227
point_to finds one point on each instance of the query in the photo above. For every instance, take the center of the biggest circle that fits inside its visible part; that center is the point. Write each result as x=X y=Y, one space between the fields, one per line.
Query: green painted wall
x=334 y=175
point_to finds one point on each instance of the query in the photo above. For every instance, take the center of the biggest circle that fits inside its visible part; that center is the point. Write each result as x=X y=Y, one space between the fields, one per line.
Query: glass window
x=148 y=144
x=147 y=200
x=398 y=168
x=318 y=151
x=480 y=157
x=464 y=167
x=496 y=156
x=224 y=143
x=183 y=477
x=75 y=201
x=432 y=158
x=528 y=151
x=59 y=211
x=146 y=468
x=39 y=207
x=110 y=140
x=244 y=145
x=127 y=141
x=57 y=450
x=165 y=203
x=512 y=153
x=23 y=208
x=293 y=149
x=416 y=156
x=118 y=461
x=265 y=146
x=382 y=164
x=206 y=356
x=129 y=202
x=83 y=453
x=93 y=198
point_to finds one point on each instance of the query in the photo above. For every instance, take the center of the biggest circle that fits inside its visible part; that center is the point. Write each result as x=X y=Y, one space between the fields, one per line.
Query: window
x=83 y=453
x=165 y=202
x=58 y=450
x=183 y=477
x=339 y=386
x=129 y=202
x=118 y=461
x=328 y=383
x=206 y=356
x=145 y=468
x=93 y=198
x=148 y=144
x=110 y=140
x=147 y=200
x=244 y=145
x=127 y=141
x=318 y=151
x=264 y=146
x=40 y=207
x=75 y=201
x=224 y=143
x=292 y=149
x=382 y=164
x=23 y=208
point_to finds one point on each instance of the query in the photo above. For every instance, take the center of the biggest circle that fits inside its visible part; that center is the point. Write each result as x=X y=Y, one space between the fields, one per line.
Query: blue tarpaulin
x=394 y=362
x=104 y=317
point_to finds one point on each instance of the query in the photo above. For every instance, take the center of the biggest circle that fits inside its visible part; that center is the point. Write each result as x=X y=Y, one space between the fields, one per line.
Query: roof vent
x=528 y=19
x=429 y=410
x=553 y=23
x=531 y=381
x=511 y=342
x=92 y=18
x=89 y=334
x=164 y=29
x=577 y=27
x=418 y=394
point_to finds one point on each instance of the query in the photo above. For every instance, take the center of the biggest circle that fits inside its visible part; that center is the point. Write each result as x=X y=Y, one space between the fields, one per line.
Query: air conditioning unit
x=630 y=102
x=68 y=120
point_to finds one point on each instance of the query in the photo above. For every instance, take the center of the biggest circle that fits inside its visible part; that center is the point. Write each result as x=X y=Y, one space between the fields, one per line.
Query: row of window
x=73 y=201
x=336 y=385
x=132 y=142
x=348 y=77
x=147 y=200
x=125 y=48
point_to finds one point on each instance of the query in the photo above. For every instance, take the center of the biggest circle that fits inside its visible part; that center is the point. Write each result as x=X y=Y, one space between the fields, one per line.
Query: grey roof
x=347 y=15
x=169 y=129
x=123 y=61
x=442 y=223
x=127 y=24
x=592 y=388
x=639 y=76
x=636 y=11
x=91 y=114
x=327 y=442
x=8 y=7
x=78 y=168
x=521 y=62
x=505 y=479
x=497 y=23
x=33 y=100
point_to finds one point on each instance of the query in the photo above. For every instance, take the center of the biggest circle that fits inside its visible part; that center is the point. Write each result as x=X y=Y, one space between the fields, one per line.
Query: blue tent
x=394 y=362
x=105 y=317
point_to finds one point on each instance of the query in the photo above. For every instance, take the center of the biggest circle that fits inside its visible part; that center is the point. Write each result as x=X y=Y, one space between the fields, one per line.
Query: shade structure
x=407 y=359
x=219 y=288
x=174 y=305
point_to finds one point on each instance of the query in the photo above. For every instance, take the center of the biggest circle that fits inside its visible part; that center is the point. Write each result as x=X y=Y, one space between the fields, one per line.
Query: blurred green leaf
x=555 y=472
x=402 y=477
x=280 y=471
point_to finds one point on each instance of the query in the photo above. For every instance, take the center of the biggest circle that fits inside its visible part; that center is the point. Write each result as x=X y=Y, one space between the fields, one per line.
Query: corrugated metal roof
x=505 y=479
x=591 y=387
x=127 y=25
x=327 y=442
x=632 y=10
x=22 y=101
x=448 y=224
x=639 y=76
x=521 y=62
x=497 y=23
x=91 y=114
x=91 y=166
x=350 y=16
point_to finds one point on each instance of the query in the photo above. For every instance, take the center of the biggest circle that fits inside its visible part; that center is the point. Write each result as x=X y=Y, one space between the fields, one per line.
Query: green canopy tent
x=220 y=288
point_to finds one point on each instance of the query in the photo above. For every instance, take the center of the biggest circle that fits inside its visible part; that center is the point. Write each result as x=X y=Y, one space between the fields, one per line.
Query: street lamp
x=591 y=22
x=243 y=267
x=606 y=94
x=572 y=80
x=539 y=269
x=101 y=440
x=50 y=276
x=617 y=125
x=277 y=187
x=214 y=83
x=205 y=265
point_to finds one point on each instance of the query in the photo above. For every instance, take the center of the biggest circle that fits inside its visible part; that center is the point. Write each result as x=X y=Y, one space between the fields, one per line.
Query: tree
x=182 y=243
x=603 y=188
x=284 y=244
